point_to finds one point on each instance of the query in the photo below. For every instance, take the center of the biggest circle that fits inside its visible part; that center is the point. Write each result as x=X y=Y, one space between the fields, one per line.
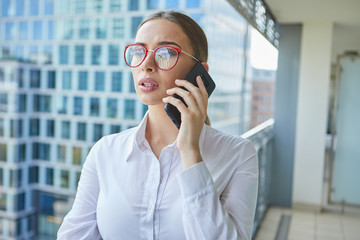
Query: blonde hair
x=192 y=30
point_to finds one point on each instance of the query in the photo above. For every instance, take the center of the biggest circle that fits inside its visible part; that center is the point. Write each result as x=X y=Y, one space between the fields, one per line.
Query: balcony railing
x=262 y=137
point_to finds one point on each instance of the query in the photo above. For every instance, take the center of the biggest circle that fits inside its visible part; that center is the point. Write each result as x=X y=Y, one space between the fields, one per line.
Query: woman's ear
x=206 y=66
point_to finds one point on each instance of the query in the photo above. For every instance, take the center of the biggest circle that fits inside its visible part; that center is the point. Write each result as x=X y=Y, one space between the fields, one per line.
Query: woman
x=155 y=181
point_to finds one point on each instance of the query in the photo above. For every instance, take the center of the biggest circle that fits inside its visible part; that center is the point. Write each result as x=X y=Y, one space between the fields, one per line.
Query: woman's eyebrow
x=168 y=43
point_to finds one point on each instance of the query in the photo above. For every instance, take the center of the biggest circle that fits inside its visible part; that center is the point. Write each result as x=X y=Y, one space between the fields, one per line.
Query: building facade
x=64 y=85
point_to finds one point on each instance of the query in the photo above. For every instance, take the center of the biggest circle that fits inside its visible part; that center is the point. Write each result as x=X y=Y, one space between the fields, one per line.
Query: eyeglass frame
x=178 y=50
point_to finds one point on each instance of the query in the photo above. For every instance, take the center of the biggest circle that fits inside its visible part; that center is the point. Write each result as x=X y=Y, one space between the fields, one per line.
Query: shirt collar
x=138 y=140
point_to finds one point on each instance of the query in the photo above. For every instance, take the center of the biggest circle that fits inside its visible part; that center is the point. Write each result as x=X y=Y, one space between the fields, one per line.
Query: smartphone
x=197 y=70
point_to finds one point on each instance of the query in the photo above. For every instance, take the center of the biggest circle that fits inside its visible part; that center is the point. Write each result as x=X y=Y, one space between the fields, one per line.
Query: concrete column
x=311 y=120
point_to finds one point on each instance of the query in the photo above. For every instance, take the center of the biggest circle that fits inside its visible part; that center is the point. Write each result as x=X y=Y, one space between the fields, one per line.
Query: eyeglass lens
x=165 y=57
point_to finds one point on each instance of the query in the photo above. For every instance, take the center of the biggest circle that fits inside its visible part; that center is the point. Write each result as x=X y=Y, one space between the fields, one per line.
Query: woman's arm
x=207 y=215
x=80 y=222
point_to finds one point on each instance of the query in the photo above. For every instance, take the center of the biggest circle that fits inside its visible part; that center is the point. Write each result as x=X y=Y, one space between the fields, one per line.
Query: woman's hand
x=192 y=118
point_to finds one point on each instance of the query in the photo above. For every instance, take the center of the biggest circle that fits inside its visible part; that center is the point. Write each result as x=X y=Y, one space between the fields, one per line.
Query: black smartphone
x=197 y=70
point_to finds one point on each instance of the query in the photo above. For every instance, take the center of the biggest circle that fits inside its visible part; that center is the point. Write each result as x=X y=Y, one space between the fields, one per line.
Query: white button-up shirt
x=125 y=192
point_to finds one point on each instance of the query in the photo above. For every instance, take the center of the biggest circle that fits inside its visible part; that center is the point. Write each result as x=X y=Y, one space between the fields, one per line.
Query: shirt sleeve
x=207 y=215
x=80 y=222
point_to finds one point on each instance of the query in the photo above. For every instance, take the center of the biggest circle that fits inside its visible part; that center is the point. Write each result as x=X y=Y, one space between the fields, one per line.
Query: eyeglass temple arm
x=190 y=55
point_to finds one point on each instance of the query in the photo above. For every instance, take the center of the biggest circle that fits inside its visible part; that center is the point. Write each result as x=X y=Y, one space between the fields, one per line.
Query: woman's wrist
x=190 y=157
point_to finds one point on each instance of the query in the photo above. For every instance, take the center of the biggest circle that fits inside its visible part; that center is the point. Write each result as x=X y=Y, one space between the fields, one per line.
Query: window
x=41 y=151
x=20 y=199
x=51 y=77
x=172 y=4
x=78 y=105
x=82 y=80
x=3 y=102
x=98 y=132
x=62 y=104
x=152 y=4
x=34 y=127
x=20 y=77
x=63 y=54
x=96 y=54
x=41 y=103
x=2 y=127
x=23 y=31
x=80 y=6
x=37 y=30
x=33 y=174
x=22 y=152
x=81 y=131
x=100 y=28
x=115 y=129
x=192 y=3
x=77 y=155
x=50 y=128
x=61 y=153
x=113 y=55
x=99 y=81
x=49 y=176
x=3 y=152
x=3 y=201
x=9 y=31
x=97 y=5
x=35 y=78
x=84 y=28
x=115 y=5
x=118 y=28
x=64 y=178
x=66 y=80
x=94 y=107
x=129 y=109
x=65 y=129
x=116 y=81
x=22 y=103
x=112 y=107
x=79 y=54
x=20 y=128
x=49 y=7
x=20 y=8
x=134 y=5
x=135 y=22
x=34 y=7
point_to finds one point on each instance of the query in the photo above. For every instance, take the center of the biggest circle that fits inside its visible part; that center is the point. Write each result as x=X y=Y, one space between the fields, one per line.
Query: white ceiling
x=346 y=12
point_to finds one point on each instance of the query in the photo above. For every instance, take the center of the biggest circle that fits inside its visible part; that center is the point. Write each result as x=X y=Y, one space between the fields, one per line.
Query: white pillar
x=311 y=119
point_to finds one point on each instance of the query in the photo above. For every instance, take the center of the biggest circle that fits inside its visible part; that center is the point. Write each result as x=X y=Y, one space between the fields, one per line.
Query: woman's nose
x=149 y=63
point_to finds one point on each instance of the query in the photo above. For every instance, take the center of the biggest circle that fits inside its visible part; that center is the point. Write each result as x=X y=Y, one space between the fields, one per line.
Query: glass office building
x=64 y=84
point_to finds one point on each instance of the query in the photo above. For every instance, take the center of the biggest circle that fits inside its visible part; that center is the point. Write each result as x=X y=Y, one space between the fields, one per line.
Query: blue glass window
x=78 y=105
x=65 y=129
x=80 y=6
x=172 y=4
x=84 y=28
x=115 y=5
x=51 y=30
x=64 y=178
x=23 y=31
x=9 y=31
x=2 y=127
x=115 y=128
x=20 y=7
x=79 y=54
x=49 y=176
x=118 y=27
x=96 y=54
x=61 y=153
x=81 y=131
x=34 y=7
x=99 y=81
x=50 y=128
x=94 y=107
x=112 y=107
x=98 y=131
x=19 y=52
x=135 y=22
x=129 y=109
x=5 y=8
x=66 y=80
x=51 y=75
x=63 y=54
x=192 y=3
x=82 y=80
x=49 y=7
x=152 y=4
x=22 y=103
x=35 y=78
x=34 y=129
x=134 y=5
x=100 y=29
x=116 y=81
x=62 y=104
x=37 y=30
x=3 y=102
x=113 y=55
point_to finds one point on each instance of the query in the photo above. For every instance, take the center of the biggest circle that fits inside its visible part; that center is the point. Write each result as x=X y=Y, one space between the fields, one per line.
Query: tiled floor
x=307 y=225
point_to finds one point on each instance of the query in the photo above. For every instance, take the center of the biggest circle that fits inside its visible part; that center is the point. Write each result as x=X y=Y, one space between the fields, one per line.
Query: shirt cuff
x=195 y=180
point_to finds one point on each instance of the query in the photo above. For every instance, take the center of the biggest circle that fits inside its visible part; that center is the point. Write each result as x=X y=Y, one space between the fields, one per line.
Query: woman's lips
x=148 y=85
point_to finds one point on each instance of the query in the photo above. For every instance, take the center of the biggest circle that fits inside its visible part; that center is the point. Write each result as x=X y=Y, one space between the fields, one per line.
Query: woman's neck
x=160 y=130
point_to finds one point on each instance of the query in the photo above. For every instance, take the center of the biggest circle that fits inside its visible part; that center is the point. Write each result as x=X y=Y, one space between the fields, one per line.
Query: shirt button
x=149 y=209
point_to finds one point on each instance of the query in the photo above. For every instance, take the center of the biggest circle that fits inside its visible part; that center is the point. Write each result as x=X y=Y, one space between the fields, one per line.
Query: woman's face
x=151 y=82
